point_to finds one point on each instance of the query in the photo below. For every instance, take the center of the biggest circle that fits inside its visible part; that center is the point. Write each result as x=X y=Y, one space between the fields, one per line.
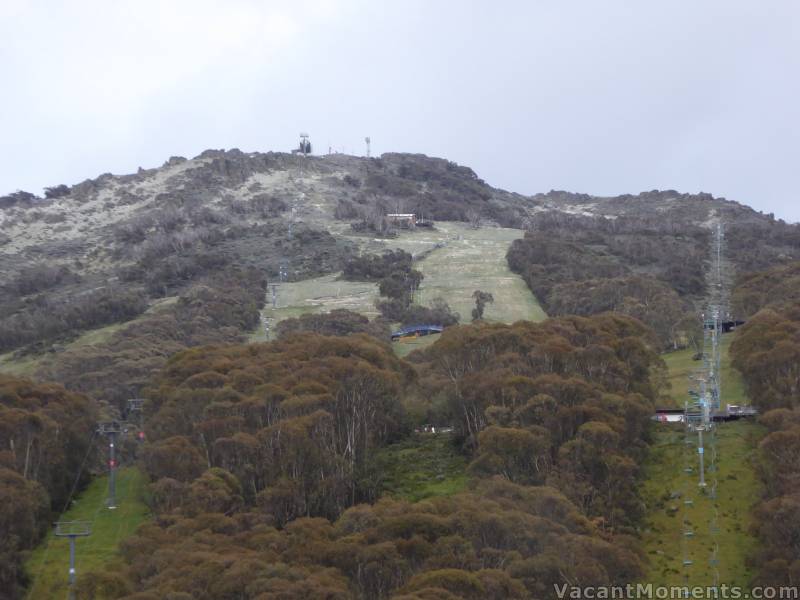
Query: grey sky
x=597 y=96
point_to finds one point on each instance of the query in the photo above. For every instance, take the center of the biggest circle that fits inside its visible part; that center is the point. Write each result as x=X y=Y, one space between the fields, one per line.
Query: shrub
x=57 y=191
x=336 y=322
x=48 y=320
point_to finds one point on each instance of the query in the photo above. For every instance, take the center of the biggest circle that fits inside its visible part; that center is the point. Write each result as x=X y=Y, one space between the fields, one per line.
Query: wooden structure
x=404 y=220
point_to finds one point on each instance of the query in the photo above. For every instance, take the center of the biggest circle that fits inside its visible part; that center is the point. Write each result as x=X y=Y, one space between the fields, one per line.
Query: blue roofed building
x=416 y=331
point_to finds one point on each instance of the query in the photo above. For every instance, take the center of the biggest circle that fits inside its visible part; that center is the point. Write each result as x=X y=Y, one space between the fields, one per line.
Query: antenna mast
x=305 y=145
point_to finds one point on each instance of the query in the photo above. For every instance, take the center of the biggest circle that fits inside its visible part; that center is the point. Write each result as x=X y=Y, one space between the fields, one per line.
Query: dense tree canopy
x=773 y=288
x=767 y=352
x=498 y=541
x=264 y=482
x=649 y=270
x=375 y=267
x=217 y=309
x=565 y=402
x=45 y=434
x=337 y=322
x=777 y=517
x=293 y=421
x=261 y=458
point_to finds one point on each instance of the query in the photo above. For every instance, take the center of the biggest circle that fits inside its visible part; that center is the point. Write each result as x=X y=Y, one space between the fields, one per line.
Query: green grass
x=49 y=562
x=475 y=259
x=320 y=294
x=19 y=367
x=27 y=366
x=666 y=486
x=422 y=466
x=470 y=259
x=681 y=366
x=406 y=346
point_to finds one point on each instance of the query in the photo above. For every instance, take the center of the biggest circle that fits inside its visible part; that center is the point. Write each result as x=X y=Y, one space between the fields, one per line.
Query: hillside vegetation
x=455 y=260
x=651 y=271
x=683 y=364
x=475 y=259
x=767 y=351
x=422 y=466
x=757 y=508
x=123 y=243
x=666 y=489
x=296 y=432
x=216 y=309
x=641 y=263
x=45 y=438
x=773 y=288
x=97 y=556
x=101 y=253
x=289 y=469
x=667 y=486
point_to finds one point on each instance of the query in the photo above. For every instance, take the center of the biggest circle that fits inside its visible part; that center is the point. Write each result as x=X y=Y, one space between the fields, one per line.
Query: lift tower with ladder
x=111 y=429
x=72 y=530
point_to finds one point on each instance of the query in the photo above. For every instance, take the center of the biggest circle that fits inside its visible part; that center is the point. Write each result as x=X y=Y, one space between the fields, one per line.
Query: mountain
x=149 y=286
x=180 y=255
x=114 y=221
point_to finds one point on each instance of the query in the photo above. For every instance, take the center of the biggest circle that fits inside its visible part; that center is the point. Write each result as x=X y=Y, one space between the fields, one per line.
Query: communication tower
x=305 y=145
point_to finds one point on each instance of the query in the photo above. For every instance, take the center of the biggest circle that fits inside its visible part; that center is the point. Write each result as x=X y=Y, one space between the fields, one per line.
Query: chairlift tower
x=265 y=324
x=293 y=214
x=706 y=398
x=275 y=293
x=72 y=530
x=136 y=406
x=111 y=429
x=701 y=455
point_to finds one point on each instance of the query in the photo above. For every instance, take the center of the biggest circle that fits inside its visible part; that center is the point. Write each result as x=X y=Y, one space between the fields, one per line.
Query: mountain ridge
x=107 y=250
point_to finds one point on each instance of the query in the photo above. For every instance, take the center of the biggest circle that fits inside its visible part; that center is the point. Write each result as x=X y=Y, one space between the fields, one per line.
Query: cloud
x=599 y=97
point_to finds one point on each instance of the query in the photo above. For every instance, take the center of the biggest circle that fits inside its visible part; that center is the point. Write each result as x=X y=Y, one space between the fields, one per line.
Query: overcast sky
x=595 y=96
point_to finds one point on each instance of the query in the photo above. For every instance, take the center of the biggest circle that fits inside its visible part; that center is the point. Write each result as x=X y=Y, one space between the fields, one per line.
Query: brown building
x=408 y=221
